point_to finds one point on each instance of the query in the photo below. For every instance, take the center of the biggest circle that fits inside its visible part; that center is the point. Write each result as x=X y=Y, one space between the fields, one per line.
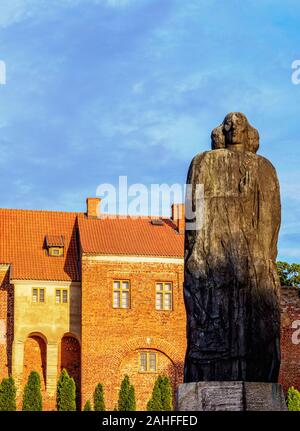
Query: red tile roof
x=22 y=244
x=23 y=241
x=55 y=240
x=135 y=236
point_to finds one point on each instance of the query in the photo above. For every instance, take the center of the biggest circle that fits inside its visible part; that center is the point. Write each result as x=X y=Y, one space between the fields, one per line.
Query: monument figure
x=231 y=287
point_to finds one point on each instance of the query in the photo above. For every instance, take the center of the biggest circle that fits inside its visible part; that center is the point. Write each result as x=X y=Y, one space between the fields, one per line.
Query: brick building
x=102 y=297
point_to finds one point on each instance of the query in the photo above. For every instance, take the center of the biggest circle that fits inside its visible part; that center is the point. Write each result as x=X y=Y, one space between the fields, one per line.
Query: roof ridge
x=82 y=213
x=42 y=211
x=133 y=216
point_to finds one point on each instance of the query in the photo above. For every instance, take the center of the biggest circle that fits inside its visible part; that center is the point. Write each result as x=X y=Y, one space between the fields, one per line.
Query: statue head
x=236 y=134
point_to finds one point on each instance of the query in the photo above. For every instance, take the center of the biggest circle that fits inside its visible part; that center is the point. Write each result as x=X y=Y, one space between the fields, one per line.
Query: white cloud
x=182 y=134
x=138 y=87
x=14 y=11
x=22 y=187
x=116 y=3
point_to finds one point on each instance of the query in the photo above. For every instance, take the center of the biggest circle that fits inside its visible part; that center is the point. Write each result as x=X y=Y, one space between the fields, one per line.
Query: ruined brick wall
x=112 y=338
x=290 y=338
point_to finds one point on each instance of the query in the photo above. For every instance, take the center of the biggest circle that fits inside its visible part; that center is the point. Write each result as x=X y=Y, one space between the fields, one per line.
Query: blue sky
x=101 y=88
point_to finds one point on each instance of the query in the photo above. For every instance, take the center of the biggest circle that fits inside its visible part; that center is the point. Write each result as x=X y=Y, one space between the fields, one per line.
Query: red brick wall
x=144 y=382
x=35 y=359
x=112 y=338
x=290 y=338
x=69 y=358
x=6 y=322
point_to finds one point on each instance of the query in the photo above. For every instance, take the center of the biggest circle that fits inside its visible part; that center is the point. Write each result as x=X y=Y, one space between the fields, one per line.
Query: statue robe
x=231 y=287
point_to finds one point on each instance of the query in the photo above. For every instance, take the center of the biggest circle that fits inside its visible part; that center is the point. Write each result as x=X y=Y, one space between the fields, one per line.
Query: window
x=164 y=296
x=148 y=362
x=121 y=294
x=38 y=295
x=56 y=251
x=55 y=245
x=61 y=296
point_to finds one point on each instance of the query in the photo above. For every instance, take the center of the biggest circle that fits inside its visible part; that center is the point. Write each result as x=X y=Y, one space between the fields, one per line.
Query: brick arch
x=37 y=334
x=35 y=357
x=73 y=335
x=126 y=362
x=138 y=343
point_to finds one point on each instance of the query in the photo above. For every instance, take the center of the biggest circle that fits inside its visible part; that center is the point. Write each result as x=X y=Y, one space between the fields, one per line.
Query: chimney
x=93 y=207
x=178 y=217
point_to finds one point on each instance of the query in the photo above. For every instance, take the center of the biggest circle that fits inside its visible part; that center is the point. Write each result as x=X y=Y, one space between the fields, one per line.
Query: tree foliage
x=162 y=395
x=99 y=404
x=87 y=406
x=166 y=394
x=155 y=402
x=126 y=400
x=32 y=396
x=8 y=395
x=289 y=273
x=293 y=399
x=66 y=393
x=131 y=399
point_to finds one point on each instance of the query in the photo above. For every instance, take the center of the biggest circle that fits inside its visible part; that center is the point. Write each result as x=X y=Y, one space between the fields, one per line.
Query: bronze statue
x=231 y=284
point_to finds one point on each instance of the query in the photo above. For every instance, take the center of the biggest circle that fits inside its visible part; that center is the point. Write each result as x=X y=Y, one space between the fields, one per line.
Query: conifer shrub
x=66 y=393
x=87 y=406
x=8 y=395
x=155 y=402
x=293 y=399
x=99 y=404
x=162 y=395
x=166 y=394
x=126 y=400
x=131 y=399
x=32 y=396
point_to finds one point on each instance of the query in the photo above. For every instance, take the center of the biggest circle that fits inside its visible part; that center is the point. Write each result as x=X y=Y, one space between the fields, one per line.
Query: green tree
x=162 y=396
x=126 y=400
x=131 y=399
x=8 y=395
x=155 y=403
x=289 y=273
x=99 y=404
x=87 y=406
x=293 y=399
x=32 y=397
x=166 y=394
x=66 y=393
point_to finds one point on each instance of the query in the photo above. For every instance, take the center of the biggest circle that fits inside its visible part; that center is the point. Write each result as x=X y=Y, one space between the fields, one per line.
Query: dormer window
x=55 y=245
x=56 y=251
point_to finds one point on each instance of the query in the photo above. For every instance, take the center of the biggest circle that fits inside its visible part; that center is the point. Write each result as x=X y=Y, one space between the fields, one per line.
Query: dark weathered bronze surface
x=231 y=285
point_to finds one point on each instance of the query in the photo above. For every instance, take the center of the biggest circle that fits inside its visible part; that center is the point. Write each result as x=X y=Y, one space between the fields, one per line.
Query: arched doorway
x=35 y=358
x=70 y=360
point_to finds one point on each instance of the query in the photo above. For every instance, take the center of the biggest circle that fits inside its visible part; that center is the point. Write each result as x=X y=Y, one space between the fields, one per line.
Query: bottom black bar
x=102 y=421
